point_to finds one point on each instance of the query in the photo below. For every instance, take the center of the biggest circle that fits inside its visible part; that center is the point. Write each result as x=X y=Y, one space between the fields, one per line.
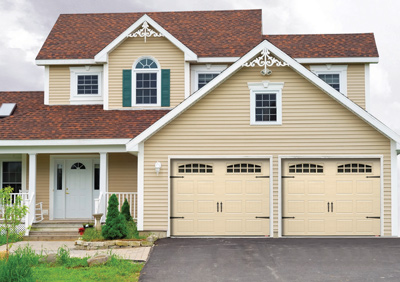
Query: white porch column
x=103 y=180
x=32 y=187
x=140 y=187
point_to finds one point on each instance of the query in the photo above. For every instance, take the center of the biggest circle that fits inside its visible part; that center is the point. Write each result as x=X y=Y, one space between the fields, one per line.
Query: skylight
x=6 y=109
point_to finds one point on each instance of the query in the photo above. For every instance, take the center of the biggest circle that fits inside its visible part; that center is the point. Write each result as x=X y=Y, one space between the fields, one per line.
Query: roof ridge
x=163 y=12
x=319 y=34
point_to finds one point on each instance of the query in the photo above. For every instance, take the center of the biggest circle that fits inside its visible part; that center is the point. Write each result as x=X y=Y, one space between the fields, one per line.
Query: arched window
x=78 y=166
x=146 y=82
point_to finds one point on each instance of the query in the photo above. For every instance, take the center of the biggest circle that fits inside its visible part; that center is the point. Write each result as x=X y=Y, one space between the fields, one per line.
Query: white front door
x=78 y=188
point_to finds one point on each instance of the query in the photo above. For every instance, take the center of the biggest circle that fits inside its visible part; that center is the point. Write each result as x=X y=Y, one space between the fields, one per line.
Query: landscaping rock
x=50 y=258
x=79 y=242
x=146 y=244
x=109 y=243
x=122 y=243
x=152 y=238
x=134 y=243
x=99 y=259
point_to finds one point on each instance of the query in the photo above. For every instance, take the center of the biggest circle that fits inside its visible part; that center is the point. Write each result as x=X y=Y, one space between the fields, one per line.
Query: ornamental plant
x=12 y=213
x=131 y=225
x=115 y=227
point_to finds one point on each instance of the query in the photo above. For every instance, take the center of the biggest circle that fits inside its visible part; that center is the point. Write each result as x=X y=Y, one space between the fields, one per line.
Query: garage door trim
x=282 y=158
x=222 y=157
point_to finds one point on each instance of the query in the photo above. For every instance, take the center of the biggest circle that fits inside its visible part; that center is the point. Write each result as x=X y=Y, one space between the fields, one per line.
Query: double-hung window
x=12 y=175
x=146 y=82
x=265 y=103
x=203 y=74
x=334 y=75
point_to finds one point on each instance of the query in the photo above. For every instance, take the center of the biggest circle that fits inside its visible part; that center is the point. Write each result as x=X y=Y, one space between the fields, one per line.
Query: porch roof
x=32 y=120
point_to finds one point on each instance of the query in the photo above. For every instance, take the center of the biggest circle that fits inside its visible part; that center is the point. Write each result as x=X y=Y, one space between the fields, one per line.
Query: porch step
x=55 y=231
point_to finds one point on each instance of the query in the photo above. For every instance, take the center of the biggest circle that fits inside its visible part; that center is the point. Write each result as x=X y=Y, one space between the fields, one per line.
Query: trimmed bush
x=126 y=211
x=115 y=227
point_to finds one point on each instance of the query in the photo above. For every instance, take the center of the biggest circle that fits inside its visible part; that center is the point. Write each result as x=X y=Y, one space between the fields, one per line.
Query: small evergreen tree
x=115 y=227
x=132 y=228
x=125 y=210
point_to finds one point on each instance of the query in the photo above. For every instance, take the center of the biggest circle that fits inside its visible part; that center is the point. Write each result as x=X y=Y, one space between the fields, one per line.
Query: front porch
x=64 y=187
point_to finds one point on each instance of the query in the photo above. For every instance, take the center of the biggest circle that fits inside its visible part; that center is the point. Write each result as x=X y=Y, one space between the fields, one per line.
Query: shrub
x=18 y=265
x=63 y=255
x=125 y=211
x=115 y=227
x=132 y=230
x=91 y=234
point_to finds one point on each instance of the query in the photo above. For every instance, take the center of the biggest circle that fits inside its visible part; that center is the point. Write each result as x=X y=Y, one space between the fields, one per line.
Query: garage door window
x=354 y=168
x=243 y=168
x=195 y=168
x=306 y=168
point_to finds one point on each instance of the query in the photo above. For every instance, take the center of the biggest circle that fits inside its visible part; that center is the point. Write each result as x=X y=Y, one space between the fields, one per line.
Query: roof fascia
x=102 y=56
x=65 y=62
x=237 y=66
x=64 y=142
x=371 y=60
x=218 y=59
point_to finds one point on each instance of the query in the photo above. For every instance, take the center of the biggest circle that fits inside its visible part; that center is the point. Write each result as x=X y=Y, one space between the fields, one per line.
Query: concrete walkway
x=49 y=247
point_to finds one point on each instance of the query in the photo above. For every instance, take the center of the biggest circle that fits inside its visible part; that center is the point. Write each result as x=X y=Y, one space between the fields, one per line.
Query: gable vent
x=6 y=109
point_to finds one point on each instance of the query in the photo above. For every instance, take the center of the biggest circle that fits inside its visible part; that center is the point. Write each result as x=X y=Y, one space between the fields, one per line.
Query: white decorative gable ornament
x=265 y=60
x=145 y=32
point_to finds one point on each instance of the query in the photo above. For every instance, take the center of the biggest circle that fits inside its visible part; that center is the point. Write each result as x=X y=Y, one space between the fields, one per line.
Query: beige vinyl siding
x=122 y=173
x=59 y=85
x=313 y=124
x=160 y=48
x=356 y=84
x=43 y=181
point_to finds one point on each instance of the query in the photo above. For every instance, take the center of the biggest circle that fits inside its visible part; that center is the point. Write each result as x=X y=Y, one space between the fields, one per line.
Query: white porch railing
x=24 y=197
x=30 y=216
x=101 y=203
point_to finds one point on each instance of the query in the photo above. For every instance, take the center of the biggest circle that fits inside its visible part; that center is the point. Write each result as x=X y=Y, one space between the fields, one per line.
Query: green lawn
x=126 y=271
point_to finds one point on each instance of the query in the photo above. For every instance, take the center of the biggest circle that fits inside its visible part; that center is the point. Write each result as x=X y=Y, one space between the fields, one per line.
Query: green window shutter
x=165 y=88
x=126 y=88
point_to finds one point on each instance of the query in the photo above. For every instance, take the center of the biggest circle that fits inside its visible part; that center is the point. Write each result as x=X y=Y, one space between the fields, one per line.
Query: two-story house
x=207 y=126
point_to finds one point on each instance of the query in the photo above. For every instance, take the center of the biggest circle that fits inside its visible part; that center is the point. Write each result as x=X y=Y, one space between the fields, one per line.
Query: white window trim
x=14 y=158
x=265 y=87
x=333 y=69
x=82 y=99
x=206 y=69
x=135 y=71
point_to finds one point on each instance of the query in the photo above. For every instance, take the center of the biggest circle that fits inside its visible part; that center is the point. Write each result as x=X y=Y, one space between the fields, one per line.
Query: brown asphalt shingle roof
x=32 y=120
x=326 y=45
x=206 y=33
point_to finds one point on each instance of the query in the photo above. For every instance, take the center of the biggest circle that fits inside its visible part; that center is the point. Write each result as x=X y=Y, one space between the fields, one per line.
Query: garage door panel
x=316 y=188
x=234 y=187
x=343 y=207
x=206 y=207
x=344 y=187
x=351 y=187
x=316 y=226
x=231 y=207
x=205 y=187
x=224 y=201
x=316 y=207
x=254 y=207
x=255 y=187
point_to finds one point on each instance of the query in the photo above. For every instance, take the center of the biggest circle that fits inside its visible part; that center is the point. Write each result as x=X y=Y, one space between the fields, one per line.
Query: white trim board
x=282 y=157
x=223 y=157
x=64 y=142
x=394 y=189
x=102 y=56
x=301 y=70
x=337 y=60
x=65 y=62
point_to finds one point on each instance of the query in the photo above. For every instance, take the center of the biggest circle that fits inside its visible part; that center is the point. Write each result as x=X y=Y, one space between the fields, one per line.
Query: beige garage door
x=332 y=197
x=220 y=197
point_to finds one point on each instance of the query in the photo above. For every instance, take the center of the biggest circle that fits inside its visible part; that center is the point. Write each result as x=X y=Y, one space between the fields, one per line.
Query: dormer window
x=86 y=85
x=334 y=75
x=147 y=82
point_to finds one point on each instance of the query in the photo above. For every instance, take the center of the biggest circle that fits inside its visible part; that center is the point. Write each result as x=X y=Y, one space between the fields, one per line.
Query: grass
x=24 y=265
x=13 y=237
x=114 y=270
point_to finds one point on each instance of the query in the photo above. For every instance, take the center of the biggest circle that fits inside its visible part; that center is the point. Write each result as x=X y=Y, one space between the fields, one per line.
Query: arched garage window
x=354 y=168
x=306 y=168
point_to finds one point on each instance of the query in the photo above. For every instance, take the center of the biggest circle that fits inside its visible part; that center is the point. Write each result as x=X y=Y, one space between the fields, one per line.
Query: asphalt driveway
x=286 y=259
